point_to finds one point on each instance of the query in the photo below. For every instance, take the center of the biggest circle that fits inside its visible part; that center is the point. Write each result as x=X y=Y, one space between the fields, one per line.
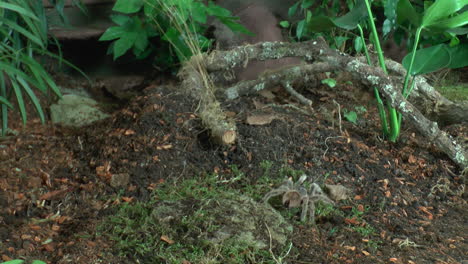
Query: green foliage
x=435 y=22
x=351 y=116
x=19 y=261
x=23 y=35
x=136 y=234
x=330 y=82
x=181 y=24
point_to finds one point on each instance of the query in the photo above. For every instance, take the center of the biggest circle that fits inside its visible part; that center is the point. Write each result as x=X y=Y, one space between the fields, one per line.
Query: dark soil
x=55 y=186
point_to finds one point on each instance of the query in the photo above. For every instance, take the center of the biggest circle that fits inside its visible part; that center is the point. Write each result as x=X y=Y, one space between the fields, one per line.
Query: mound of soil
x=408 y=197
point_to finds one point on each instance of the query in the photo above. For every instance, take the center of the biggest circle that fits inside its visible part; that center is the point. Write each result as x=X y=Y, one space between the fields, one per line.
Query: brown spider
x=295 y=194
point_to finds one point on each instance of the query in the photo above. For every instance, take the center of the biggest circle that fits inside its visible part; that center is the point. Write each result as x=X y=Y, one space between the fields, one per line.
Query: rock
x=229 y=219
x=337 y=192
x=119 y=180
x=76 y=111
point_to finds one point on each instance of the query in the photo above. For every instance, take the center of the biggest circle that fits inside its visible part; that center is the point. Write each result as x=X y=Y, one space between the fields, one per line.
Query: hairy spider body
x=296 y=195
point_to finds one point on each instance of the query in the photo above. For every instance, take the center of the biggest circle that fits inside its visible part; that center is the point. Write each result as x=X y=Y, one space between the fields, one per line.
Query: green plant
x=19 y=261
x=179 y=23
x=23 y=37
x=440 y=17
x=330 y=82
x=351 y=116
x=139 y=233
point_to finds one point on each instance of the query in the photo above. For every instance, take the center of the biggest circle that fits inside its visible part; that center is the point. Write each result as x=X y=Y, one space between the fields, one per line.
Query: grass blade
x=33 y=98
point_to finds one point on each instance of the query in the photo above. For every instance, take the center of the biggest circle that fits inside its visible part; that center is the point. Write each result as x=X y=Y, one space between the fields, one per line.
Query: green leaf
x=120 y=19
x=351 y=116
x=459 y=55
x=300 y=29
x=123 y=44
x=15 y=261
x=38 y=262
x=358 y=45
x=29 y=35
x=4 y=101
x=33 y=98
x=406 y=11
x=330 y=82
x=428 y=59
x=306 y=4
x=199 y=12
x=217 y=11
x=293 y=9
x=19 y=98
x=234 y=26
x=18 y=9
x=284 y=24
x=441 y=9
x=320 y=24
x=128 y=6
x=452 y=22
x=113 y=33
x=353 y=17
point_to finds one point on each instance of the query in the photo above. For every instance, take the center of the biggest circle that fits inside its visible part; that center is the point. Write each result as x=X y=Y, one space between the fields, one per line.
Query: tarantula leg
x=276 y=192
x=305 y=207
x=312 y=212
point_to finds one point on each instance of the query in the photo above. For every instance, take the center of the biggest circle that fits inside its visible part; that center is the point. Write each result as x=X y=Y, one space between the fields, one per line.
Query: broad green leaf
x=15 y=261
x=141 y=40
x=441 y=9
x=306 y=4
x=199 y=12
x=308 y=16
x=340 y=41
x=453 y=22
x=330 y=82
x=123 y=44
x=128 y=6
x=358 y=45
x=406 y=11
x=293 y=9
x=231 y=23
x=353 y=17
x=300 y=29
x=120 y=19
x=113 y=33
x=387 y=27
x=173 y=36
x=284 y=24
x=217 y=11
x=351 y=116
x=320 y=24
x=38 y=262
x=428 y=59
x=459 y=55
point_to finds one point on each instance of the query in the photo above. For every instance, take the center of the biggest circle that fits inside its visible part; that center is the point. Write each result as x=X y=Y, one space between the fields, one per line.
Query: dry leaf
x=129 y=132
x=167 y=239
x=260 y=120
x=352 y=248
x=352 y=221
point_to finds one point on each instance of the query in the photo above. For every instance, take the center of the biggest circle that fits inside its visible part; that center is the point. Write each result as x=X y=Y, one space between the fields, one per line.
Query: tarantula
x=295 y=194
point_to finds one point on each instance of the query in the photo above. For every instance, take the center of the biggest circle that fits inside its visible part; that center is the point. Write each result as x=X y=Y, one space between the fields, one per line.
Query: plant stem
x=393 y=115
